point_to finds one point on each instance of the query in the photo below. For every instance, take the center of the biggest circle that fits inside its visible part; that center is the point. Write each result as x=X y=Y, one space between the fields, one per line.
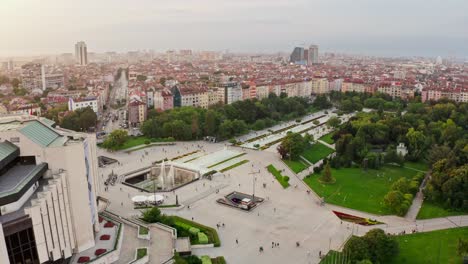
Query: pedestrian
x=217 y=226
x=223 y=225
x=272 y=244
x=237 y=241
x=320 y=254
x=192 y=218
x=277 y=244
x=121 y=203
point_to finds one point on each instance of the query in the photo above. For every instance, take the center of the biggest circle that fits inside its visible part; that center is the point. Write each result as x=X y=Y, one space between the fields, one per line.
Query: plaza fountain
x=165 y=176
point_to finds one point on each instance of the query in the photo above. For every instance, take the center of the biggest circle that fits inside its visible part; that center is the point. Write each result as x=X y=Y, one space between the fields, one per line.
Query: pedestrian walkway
x=326 y=144
x=161 y=246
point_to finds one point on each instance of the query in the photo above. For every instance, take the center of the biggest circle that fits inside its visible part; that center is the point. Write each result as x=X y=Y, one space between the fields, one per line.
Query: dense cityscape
x=212 y=156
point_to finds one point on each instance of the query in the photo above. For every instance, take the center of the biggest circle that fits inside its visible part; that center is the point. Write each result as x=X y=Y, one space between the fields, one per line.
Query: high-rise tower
x=81 y=53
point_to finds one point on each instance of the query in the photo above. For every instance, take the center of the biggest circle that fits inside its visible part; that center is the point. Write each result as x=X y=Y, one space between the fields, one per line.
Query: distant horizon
x=231 y=51
x=397 y=28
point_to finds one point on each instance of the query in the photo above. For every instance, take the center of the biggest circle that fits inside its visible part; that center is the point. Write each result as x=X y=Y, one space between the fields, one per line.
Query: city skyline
x=394 y=28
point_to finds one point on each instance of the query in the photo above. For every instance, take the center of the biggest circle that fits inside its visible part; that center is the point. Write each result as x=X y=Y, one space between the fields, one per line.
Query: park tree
x=334 y=122
x=394 y=200
x=356 y=249
x=381 y=246
x=402 y=185
x=80 y=119
x=293 y=144
x=115 y=139
x=417 y=142
x=321 y=102
x=210 y=123
x=327 y=175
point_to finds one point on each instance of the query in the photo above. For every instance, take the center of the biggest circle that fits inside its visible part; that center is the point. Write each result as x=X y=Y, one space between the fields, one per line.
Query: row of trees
x=224 y=121
x=79 y=120
x=401 y=194
x=374 y=247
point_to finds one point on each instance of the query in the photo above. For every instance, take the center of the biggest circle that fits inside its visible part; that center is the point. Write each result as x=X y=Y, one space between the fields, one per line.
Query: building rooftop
x=17 y=180
x=8 y=152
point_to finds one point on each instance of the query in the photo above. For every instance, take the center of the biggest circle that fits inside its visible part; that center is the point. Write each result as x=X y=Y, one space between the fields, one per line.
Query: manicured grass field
x=431 y=247
x=358 y=189
x=430 y=210
x=317 y=152
x=281 y=179
x=332 y=257
x=328 y=138
x=422 y=166
x=136 y=141
x=234 y=165
x=296 y=165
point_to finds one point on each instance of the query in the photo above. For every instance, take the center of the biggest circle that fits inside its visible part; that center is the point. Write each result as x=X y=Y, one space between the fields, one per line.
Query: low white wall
x=143 y=260
x=202 y=246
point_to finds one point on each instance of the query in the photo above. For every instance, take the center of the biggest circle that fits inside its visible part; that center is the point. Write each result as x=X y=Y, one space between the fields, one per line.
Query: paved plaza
x=287 y=216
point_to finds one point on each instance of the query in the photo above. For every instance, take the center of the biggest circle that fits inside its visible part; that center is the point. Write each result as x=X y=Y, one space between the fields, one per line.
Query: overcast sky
x=374 y=27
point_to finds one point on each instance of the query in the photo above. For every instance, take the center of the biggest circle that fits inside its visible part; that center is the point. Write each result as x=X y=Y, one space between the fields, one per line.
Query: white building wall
x=3 y=248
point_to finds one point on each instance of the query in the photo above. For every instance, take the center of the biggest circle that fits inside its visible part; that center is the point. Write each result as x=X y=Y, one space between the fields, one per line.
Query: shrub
x=147 y=142
x=202 y=238
x=286 y=178
x=256 y=145
x=218 y=260
x=206 y=260
x=193 y=230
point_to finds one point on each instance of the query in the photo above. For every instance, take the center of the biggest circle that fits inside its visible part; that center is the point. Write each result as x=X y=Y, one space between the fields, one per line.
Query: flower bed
x=109 y=224
x=83 y=259
x=104 y=237
x=100 y=251
x=356 y=219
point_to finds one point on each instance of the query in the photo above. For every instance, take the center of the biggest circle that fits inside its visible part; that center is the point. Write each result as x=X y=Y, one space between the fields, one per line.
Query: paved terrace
x=287 y=216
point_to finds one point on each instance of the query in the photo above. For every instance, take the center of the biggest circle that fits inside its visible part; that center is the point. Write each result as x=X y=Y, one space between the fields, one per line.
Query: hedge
x=206 y=260
x=202 y=238
x=209 y=231
x=193 y=230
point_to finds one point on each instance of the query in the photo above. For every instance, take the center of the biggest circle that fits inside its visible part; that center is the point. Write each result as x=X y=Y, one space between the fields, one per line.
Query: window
x=15 y=140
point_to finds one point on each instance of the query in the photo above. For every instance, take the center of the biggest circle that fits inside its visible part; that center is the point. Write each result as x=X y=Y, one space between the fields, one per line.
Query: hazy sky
x=375 y=27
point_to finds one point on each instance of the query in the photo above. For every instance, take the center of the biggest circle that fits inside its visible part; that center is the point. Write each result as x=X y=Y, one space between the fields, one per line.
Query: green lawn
x=417 y=165
x=431 y=247
x=328 y=138
x=317 y=152
x=136 y=141
x=358 y=189
x=234 y=165
x=332 y=257
x=281 y=179
x=296 y=165
x=226 y=160
x=431 y=210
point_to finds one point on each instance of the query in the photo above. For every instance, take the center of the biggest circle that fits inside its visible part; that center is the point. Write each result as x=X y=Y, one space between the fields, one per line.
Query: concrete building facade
x=48 y=194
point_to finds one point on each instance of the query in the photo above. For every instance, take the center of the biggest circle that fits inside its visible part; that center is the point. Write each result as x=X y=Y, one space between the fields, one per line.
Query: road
x=117 y=95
